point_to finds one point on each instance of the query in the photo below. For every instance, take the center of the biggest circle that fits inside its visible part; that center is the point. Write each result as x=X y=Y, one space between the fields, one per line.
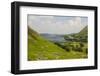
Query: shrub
x=67 y=49
x=77 y=46
x=81 y=45
x=58 y=44
x=86 y=50
x=78 y=49
x=62 y=46
x=71 y=45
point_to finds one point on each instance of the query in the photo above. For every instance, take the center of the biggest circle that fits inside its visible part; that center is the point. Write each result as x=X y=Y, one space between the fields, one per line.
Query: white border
x=26 y=65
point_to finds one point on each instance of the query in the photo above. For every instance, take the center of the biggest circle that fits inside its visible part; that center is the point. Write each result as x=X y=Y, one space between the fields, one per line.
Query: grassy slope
x=41 y=49
x=82 y=37
x=83 y=33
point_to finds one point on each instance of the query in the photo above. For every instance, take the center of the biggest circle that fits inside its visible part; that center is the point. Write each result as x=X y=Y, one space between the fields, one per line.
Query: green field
x=41 y=49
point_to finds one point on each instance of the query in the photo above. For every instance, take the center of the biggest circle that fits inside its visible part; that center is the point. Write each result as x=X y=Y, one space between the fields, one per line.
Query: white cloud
x=75 y=25
x=49 y=24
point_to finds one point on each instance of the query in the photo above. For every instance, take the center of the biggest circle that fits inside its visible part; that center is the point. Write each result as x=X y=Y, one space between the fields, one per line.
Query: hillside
x=84 y=31
x=42 y=49
x=81 y=36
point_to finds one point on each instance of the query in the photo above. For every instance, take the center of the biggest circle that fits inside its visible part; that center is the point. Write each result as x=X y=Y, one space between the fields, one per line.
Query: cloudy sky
x=57 y=24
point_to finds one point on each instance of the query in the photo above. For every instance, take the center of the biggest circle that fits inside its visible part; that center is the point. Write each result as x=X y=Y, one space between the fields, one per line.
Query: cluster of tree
x=71 y=47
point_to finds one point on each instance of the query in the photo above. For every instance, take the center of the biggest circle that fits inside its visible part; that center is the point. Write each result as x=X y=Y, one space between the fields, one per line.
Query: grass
x=42 y=49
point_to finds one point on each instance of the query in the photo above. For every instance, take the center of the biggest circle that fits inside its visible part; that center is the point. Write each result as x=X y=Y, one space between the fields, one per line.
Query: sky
x=56 y=24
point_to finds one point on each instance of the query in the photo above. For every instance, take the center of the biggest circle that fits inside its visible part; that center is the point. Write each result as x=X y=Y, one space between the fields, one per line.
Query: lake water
x=53 y=37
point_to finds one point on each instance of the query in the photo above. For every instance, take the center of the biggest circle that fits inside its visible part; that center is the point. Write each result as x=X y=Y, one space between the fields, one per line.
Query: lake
x=54 y=37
